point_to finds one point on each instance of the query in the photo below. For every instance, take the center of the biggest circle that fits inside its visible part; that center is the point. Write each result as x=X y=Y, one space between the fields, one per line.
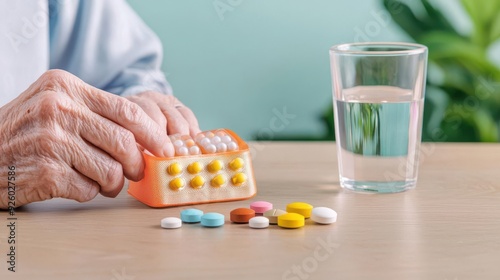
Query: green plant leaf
x=482 y=14
x=444 y=45
x=495 y=29
x=486 y=126
x=437 y=19
x=405 y=18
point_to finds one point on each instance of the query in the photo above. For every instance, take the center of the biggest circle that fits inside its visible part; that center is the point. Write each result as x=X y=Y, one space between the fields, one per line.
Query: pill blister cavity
x=214 y=166
x=195 y=167
x=177 y=184
x=218 y=181
x=174 y=169
x=239 y=179
x=197 y=182
x=236 y=164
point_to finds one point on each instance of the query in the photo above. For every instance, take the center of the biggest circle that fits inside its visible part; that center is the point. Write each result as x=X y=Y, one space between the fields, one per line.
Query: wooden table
x=446 y=228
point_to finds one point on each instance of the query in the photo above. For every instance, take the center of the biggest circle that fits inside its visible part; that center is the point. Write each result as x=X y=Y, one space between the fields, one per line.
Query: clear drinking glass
x=378 y=99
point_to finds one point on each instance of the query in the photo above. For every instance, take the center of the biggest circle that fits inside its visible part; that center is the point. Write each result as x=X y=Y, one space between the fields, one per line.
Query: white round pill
x=210 y=148
x=226 y=139
x=220 y=133
x=178 y=143
x=216 y=139
x=171 y=222
x=182 y=151
x=232 y=146
x=194 y=150
x=204 y=141
x=221 y=147
x=323 y=215
x=258 y=222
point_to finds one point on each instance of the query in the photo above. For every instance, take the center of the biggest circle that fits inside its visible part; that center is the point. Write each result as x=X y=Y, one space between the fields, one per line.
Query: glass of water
x=378 y=99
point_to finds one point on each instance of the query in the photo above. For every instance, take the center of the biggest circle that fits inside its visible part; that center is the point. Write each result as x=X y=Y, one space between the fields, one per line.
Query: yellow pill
x=239 y=179
x=177 y=184
x=218 y=181
x=194 y=168
x=214 y=166
x=236 y=164
x=174 y=169
x=197 y=182
x=301 y=208
x=291 y=220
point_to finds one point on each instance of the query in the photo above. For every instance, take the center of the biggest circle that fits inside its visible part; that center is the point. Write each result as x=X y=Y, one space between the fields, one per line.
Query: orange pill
x=241 y=215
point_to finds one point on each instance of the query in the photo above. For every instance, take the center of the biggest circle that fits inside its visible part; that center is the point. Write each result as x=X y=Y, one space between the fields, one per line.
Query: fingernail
x=168 y=148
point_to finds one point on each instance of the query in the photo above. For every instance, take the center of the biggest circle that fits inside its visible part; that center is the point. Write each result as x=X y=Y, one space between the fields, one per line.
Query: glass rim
x=354 y=48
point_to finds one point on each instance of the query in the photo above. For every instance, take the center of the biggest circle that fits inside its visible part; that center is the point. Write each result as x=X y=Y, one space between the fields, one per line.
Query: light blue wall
x=233 y=67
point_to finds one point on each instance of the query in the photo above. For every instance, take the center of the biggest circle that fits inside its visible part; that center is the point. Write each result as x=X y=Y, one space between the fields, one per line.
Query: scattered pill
x=239 y=179
x=221 y=147
x=214 y=166
x=261 y=206
x=291 y=220
x=232 y=146
x=197 y=182
x=273 y=215
x=218 y=181
x=194 y=150
x=241 y=215
x=212 y=220
x=171 y=222
x=195 y=168
x=177 y=184
x=174 y=169
x=182 y=151
x=323 y=215
x=191 y=215
x=301 y=208
x=258 y=222
x=236 y=164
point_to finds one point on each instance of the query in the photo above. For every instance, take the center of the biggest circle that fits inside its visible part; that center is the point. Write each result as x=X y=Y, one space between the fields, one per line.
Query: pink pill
x=261 y=206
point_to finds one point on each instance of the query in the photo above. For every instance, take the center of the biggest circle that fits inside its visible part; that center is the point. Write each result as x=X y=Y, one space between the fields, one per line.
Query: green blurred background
x=261 y=67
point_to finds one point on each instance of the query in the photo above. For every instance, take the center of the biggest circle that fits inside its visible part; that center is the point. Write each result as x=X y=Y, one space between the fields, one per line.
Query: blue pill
x=191 y=215
x=212 y=220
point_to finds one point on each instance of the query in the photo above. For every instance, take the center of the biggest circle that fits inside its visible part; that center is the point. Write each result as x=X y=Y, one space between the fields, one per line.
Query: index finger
x=130 y=116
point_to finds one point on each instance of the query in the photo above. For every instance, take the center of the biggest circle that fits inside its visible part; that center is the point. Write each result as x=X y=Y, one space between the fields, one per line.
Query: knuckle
x=49 y=186
x=51 y=105
x=130 y=111
x=114 y=174
x=124 y=145
x=90 y=189
x=55 y=79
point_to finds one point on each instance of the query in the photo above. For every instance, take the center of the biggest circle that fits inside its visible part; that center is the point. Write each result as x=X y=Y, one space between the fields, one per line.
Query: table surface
x=448 y=227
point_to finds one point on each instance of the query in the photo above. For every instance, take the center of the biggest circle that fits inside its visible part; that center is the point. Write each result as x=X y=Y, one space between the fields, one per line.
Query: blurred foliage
x=462 y=101
x=463 y=92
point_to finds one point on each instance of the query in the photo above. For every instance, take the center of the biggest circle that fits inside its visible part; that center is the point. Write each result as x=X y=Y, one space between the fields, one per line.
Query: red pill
x=241 y=215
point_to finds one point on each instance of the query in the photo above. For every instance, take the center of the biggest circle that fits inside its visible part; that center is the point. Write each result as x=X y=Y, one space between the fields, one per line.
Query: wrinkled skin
x=68 y=139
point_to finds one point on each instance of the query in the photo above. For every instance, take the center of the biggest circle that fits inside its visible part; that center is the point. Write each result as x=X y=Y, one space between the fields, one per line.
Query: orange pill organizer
x=215 y=166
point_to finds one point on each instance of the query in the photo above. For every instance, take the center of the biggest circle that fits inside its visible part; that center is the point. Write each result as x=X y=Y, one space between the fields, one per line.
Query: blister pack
x=215 y=166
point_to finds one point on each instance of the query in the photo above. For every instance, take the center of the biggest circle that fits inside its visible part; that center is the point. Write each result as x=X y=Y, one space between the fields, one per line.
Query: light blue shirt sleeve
x=107 y=45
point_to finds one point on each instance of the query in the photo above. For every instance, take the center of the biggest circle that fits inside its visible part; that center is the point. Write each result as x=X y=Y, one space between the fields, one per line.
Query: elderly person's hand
x=68 y=139
x=168 y=111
